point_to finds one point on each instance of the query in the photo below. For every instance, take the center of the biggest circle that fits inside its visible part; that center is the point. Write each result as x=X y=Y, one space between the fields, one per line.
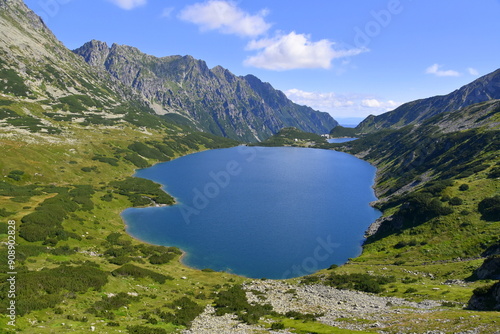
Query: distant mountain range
x=174 y=89
x=212 y=100
x=483 y=89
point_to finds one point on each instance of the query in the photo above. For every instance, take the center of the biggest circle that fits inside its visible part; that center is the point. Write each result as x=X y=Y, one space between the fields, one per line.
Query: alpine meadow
x=76 y=125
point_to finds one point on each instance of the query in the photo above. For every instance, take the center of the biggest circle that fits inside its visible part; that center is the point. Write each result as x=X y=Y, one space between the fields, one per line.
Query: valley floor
x=147 y=290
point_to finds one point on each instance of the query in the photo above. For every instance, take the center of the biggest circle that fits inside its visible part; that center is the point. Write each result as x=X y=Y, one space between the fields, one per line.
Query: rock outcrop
x=486 y=298
x=490 y=269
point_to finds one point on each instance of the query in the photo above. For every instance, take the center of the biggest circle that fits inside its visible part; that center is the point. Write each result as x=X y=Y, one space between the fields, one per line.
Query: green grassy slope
x=293 y=137
x=65 y=190
x=433 y=183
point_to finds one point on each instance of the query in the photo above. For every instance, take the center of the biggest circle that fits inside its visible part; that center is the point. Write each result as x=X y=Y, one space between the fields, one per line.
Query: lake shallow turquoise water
x=340 y=140
x=260 y=212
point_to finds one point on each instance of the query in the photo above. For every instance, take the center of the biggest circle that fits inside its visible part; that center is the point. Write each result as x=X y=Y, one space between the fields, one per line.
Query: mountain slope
x=481 y=90
x=215 y=100
x=438 y=184
x=442 y=147
x=432 y=176
x=36 y=67
x=44 y=65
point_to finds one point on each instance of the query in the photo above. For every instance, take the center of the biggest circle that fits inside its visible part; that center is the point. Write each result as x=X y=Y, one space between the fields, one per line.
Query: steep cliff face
x=215 y=100
x=481 y=90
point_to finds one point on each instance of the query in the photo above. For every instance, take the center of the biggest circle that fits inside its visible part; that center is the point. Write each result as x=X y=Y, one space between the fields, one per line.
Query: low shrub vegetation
x=182 y=312
x=490 y=208
x=46 y=288
x=138 y=272
x=142 y=192
x=234 y=301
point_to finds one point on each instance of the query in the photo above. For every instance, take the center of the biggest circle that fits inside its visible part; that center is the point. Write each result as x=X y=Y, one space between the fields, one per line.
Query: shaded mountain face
x=483 y=89
x=451 y=145
x=213 y=100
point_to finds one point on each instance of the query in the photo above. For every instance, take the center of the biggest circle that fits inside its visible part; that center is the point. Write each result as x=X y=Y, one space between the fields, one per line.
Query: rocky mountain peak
x=214 y=100
x=94 y=52
x=126 y=49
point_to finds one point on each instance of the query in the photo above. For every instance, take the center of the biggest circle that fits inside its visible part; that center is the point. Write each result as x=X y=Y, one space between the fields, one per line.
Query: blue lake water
x=260 y=212
x=340 y=140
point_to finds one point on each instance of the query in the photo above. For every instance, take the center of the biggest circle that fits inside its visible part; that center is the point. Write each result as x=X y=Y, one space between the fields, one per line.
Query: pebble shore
x=345 y=309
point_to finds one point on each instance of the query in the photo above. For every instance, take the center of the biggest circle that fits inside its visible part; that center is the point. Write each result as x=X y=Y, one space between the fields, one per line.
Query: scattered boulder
x=490 y=269
x=486 y=298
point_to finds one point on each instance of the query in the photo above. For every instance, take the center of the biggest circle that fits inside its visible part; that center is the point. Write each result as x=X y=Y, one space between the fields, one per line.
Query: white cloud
x=293 y=51
x=371 y=103
x=167 y=12
x=436 y=70
x=391 y=105
x=128 y=4
x=321 y=101
x=381 y=105
x=342 y=105
x=226 y=17
x=473 y=71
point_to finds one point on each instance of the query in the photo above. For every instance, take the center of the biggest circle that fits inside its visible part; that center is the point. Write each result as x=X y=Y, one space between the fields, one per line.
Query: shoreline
x=183 y=252
x=183 y=255
x=176 y=202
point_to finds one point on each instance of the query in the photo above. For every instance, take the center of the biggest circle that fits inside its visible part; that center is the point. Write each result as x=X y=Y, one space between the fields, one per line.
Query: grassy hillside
x=439 y=191
x=77 y=267
x=293 y=137
x=65 y=189
x=340 y=131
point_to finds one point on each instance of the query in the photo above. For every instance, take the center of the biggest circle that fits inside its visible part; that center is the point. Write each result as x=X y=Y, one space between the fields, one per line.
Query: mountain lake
x=277 y=212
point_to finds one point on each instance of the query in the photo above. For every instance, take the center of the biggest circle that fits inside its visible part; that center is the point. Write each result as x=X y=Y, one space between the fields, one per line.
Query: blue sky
x=349 y=58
